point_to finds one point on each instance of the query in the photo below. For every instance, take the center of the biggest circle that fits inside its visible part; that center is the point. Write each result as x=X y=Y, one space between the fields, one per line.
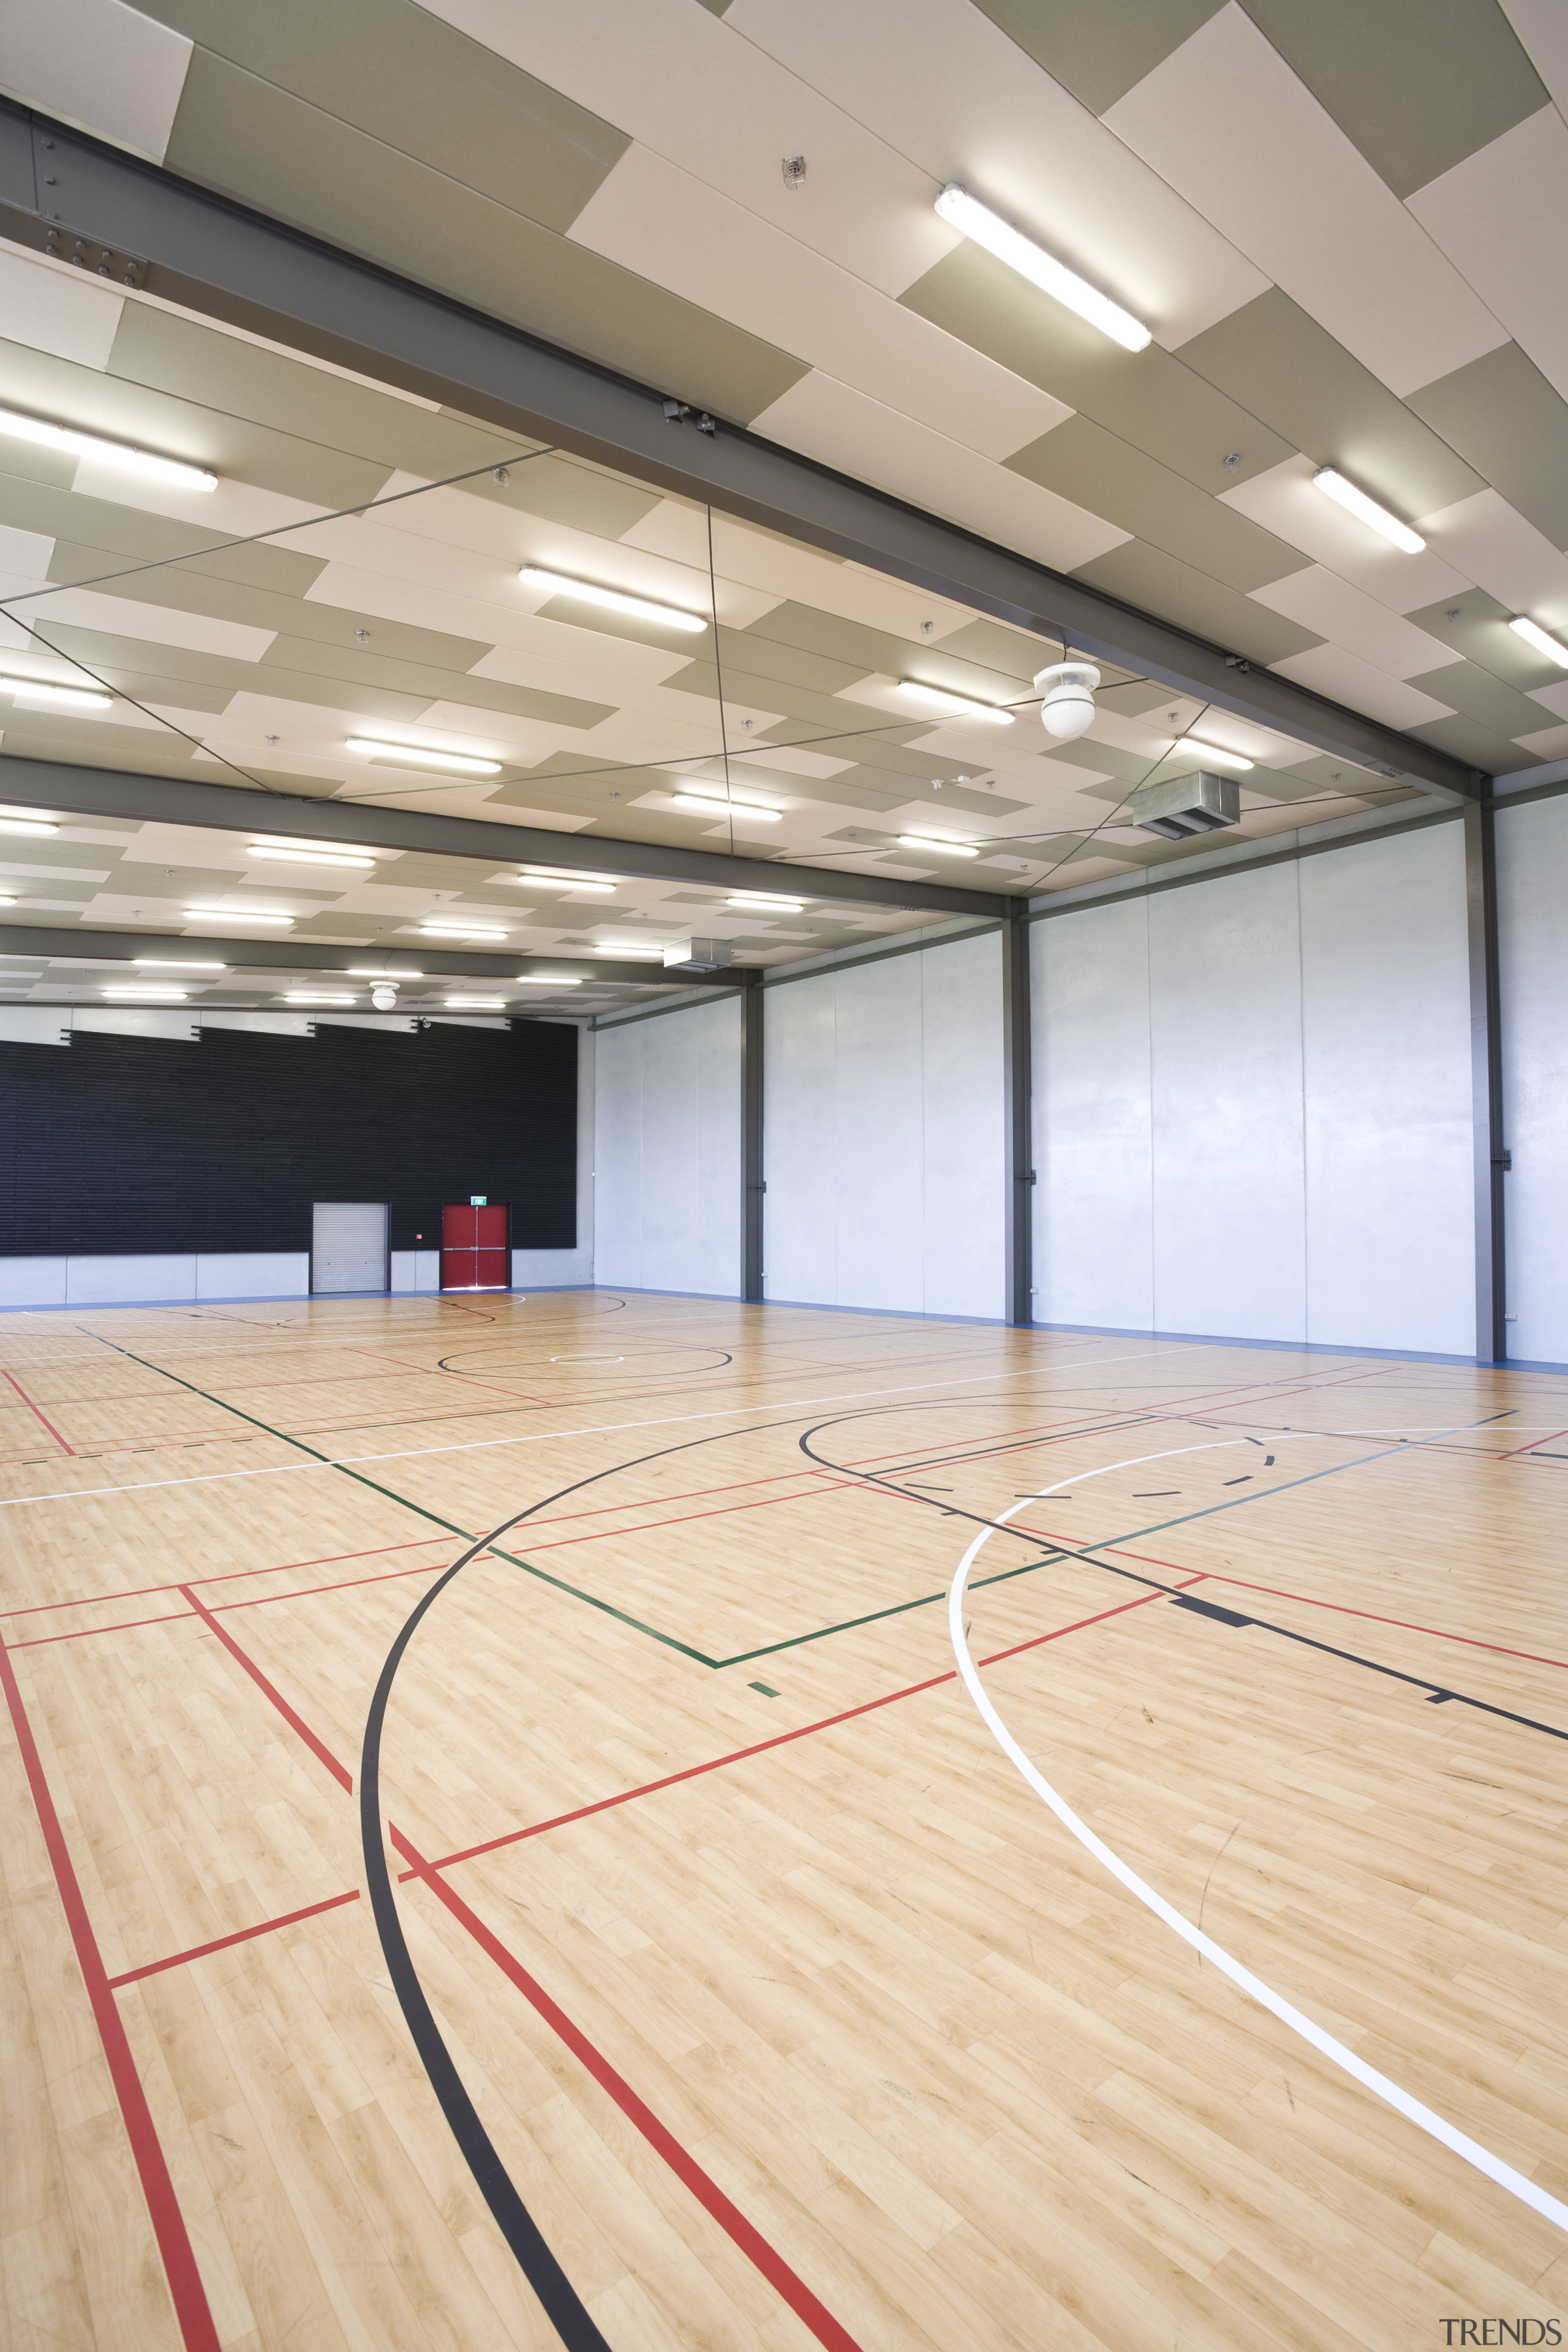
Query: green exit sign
x=479 y=1200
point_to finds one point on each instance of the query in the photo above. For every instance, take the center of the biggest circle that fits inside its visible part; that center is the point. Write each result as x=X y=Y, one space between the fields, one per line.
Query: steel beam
x=238 y=808
x=1491 y=1159
x=1018 y=1085
x=220 y=258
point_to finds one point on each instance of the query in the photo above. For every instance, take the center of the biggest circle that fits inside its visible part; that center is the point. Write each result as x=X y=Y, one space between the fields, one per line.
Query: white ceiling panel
x=1543 y=26
x=1226 y=122
x=97 y=63
x=157 y=625
x=1343 y=678
x=1322 y=602
x=991 y=118
x=52 y=308
x=1498 y=215
x=1283 y=501
x=1502 y=554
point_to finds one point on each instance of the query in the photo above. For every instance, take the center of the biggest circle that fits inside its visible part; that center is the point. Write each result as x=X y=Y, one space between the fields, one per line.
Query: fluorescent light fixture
x=237 y=914
x=550 y=979
x=578 y=882
x=387 y=979
x=5 y=902
x=268 y=849
x=1210 y=752
x=1367 y=511
x=714 y=804
x=641 y=608
x=42 y=695
x=459 y=931
x=417 y=755
x=113 y=453
x=643 y=955
x=475 y=1003
x=1534 y=634
x=954 y=706
x=925 y=841
x=977 y=221
x=310 y=996
x=759 y=902
x=174 y=963
x=150 y=994
x=36 y=828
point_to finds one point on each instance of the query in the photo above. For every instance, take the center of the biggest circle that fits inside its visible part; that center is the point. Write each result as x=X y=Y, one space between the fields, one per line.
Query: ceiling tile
x=59 y=310
x=1480 y=746
x=1507 y=421
x=1417 y=87
x=1098 y=53
x=1345 y=679
x=1542 y=27
x=1496 y=548
x=1162 y=584
x=1478 y=695
x=1497 y=216
x=109 y=68
x=1228 y=124
x=1284 y=501
x=1347 y=616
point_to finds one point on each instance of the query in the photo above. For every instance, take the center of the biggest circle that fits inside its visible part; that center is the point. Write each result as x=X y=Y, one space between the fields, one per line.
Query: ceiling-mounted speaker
x=1199 y=801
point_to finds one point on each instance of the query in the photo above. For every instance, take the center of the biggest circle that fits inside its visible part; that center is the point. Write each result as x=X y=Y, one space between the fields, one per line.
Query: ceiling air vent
x=1198 y=801
x=696 y=955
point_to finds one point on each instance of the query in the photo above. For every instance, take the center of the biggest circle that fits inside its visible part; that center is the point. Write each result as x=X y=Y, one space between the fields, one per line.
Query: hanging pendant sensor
x=1183 y=805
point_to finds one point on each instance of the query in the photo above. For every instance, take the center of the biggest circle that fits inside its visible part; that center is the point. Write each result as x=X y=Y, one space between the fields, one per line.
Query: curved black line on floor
x=528 y=2245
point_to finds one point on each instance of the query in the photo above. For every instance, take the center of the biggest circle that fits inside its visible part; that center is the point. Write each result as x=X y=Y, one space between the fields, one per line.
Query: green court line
x=744 y=1657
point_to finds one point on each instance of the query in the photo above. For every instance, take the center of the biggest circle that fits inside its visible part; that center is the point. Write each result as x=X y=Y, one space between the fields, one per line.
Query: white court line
x=1461 y=2145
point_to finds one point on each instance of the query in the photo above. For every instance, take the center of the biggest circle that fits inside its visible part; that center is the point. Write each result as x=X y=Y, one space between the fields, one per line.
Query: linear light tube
x=36 y=828
x=924 y=841
x=562 y=874
x=1534 y=634
x=707 y=804
x=114 y=453
x=977 y=221
x=417 y=755
x=150 y=994
x=642 y=955
x=757 y=903
x=1367 y=511
x=459 y=931
x=549 y=979
x=45 y=696
x=956 y=706
x=474 y=1004
x=1210 y=752
x=311 y=857
x=308 y=996
x=5 y=902
x=174 y=963
x=237 y=914
x=576 y=882
x=641 y=608
x=387 y=979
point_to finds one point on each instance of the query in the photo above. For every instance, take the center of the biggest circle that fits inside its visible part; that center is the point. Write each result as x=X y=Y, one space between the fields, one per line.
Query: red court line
x=32 y=1408
x=185 y=2289
x=125 y=1626
x=781 y=1739
x=742 y=2233
x=297 y=1723
x=229 y=1575
x=1533 y=1443
x=240 y=1935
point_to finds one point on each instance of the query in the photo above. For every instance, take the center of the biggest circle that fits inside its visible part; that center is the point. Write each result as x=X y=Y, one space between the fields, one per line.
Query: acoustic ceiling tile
x=1345 y=679
x=97 y=62
x=1146 y=576
x=1284 y=502
x=1502 y=217
x=1477 y=693
x=826 y=420
x=672 y=228
x=1098 y=53
x=1478 y=745
x=1347 y=616
x=54 y=308
x=1502 y=416
x=989 y=118
x=1228 y=124
x=1494 y=546
x=1542 y=27
x=162 y=623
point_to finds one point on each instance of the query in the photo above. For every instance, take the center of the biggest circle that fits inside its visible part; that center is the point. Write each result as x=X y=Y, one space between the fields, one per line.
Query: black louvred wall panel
x=114 y=1145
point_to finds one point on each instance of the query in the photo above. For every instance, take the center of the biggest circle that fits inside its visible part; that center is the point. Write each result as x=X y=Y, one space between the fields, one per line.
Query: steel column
x=1018 y=1088
x=753 y=1185
x=1492 y=1156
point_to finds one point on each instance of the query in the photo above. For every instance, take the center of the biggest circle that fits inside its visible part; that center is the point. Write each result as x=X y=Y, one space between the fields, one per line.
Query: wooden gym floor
x=792 y=2014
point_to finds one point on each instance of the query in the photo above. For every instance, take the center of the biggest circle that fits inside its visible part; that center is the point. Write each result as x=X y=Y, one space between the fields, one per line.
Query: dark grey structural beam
x=222 y=259
x=71 y=942
x=753 y=1185
x=237 y=808
x=1491 y=1155
x=1018 y=1126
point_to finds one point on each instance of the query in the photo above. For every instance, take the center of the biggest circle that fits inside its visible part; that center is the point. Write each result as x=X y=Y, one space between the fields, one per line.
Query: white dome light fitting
x=383 y=996
x=1067 y=689
x=977 y=221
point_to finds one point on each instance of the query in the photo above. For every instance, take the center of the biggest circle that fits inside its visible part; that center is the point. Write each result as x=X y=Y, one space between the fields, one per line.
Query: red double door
x=476 y=1247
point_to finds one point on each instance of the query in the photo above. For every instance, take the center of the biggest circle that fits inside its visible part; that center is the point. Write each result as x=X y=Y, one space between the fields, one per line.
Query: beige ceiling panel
x=1542 y=27
x=1417 y=87
x=167 y=698
x=193 y=361
x=1480 y=695
x=685 y=86
x=1098 y=53
x=943 y=85
x=1227 y=124
x=1081 y=461
x=94 y=537
x=1276 y=361
x=559 y=489
x=782 y=569
x=599 y=669
x=183 y=623
x=1465 y=738
x=397 y=71
x=1477 y=628
x=97 y=63
x=112 y=742
x=1551 y=744
x=1284 y=501
x=1502 y=415
x=674 y=229
x=49 y=307
x=1162 y=584
x=1148 y=398
x=194 y=674
x=245 y=137
x=856 y=651
x=1347 y=616
x=1345 y=677
x=826 y=420
x=1484 y=538
x=1503 y=219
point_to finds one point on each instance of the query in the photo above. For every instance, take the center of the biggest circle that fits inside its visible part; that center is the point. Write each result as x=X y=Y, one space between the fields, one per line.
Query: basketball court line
x=223 y=1943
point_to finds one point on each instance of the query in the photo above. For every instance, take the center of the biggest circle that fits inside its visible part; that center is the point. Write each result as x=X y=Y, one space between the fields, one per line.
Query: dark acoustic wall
x=114 y=1145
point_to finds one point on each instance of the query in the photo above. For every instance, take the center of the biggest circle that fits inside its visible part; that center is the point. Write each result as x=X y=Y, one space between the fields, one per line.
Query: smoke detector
x=1068 y=688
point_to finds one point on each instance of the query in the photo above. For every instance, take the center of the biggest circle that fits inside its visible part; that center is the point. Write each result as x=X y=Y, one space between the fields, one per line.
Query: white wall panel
x=1252 y=1104
x=1094 y=1200
x=1532 y=890
x=667 y=1151
x=32 y=1281
x=127 y=1281
x=255 y=1274
x=1225 y=1025
x=1390 y=1137
x=884 y=1133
